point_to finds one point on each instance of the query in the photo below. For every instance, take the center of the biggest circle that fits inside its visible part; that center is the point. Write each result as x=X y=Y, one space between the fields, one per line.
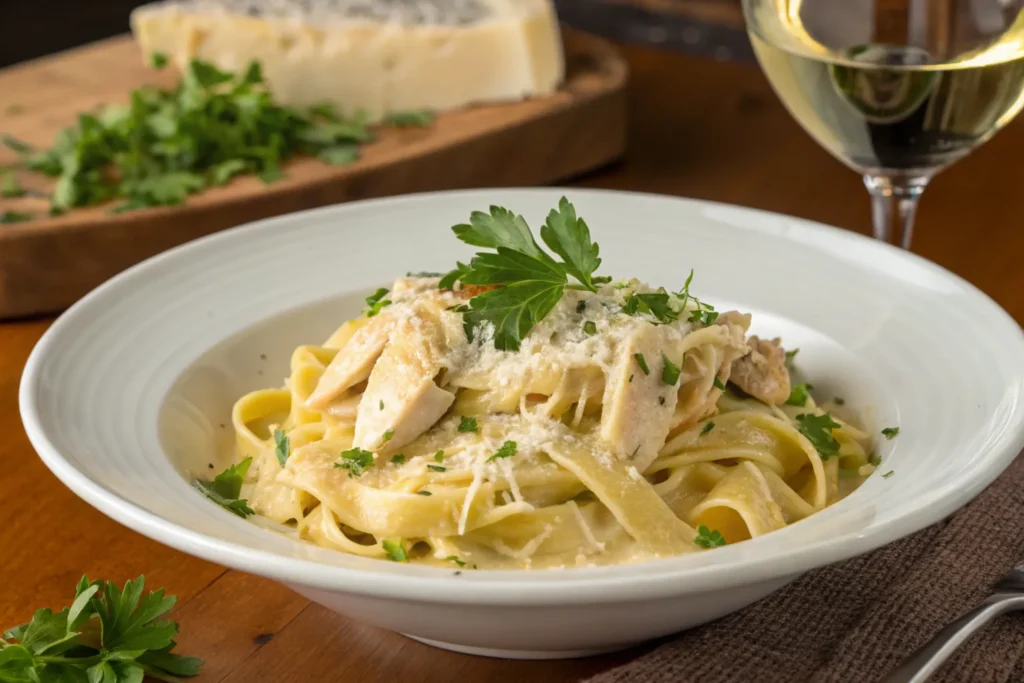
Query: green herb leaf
x=590 y=327
x=439 y=456
x=818 y=430
x=642 y=362
x=790 y=355
x=449 y=279
x=221 y=173
x=839 y=401
x=376 y=302
x=569 y=237
x=707 y=428
x=395 y=550
x=226 y=487
x=507 y=450
x=398 y=459
x=413 y=118
x=706 y=538
x=424 y=493
x=9 y=186
x=500 y=228
x=581 y=306
x=718 y=384
x=356 y=461
x=655 y=304
x=7 y=217
x=890 y=433
x=339 y=155
x=849 y=474
x=437 y=468
x=888 y=474
x=669 y=371
x=158 y=60
x=467 y=425
x=15 y=145
x=513 y=310
x=799 y=394
x=456 y=560
x=388 y=435
x=282 y=446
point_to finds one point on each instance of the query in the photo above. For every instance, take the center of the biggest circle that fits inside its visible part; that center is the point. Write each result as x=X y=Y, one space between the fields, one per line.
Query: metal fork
x=1007 y=596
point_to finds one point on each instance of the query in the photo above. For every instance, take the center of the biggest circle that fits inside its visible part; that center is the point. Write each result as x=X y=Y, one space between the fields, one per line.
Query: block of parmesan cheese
x=375 y=55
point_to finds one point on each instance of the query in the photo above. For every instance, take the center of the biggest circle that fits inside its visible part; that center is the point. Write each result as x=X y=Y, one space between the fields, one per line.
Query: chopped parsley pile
x=168 y=144
x=107 y=635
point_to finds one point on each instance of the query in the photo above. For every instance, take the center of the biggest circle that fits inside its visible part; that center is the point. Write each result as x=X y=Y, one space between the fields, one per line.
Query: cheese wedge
x=378 y=56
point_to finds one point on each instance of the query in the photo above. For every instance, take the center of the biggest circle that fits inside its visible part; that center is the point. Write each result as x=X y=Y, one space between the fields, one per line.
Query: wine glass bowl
x=895 y=89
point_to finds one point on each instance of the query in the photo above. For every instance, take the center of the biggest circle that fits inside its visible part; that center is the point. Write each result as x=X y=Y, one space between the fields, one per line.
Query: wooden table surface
x=699 y=128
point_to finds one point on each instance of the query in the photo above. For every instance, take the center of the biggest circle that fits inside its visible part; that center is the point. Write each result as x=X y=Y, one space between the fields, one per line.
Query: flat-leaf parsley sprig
x=107 y=635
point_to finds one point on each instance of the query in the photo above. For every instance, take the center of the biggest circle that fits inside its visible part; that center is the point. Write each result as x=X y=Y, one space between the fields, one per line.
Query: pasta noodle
x=607 y=437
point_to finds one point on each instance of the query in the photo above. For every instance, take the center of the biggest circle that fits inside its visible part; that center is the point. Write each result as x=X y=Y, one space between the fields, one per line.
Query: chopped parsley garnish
x=398 y=459
x=380 y=405
x=799 y=395
x=706 y=538
x=437 y=468
x=818 y=430
x=669 y=371
x=456 y=560
x=424 y=493
x=890 y=433
x=718 y=384
x=355 y=460
x=226 y=487
x=395 y=550
x=507 y=450
x=581 y=306
x=413 y=118
x=282 y=446
x=590 y=327
x=167 y=144
x=848 y=474
x=375 y=302
x=790 y=355
x=14 y=217
x=158 y=60
x=108 y=634
x=707 y=428
x=642 y=362
x=888 y=474
x=439 y=456
x=467 y=425
x=655 y=304
x=9 y=186
x=530 y=282
x=387 y=436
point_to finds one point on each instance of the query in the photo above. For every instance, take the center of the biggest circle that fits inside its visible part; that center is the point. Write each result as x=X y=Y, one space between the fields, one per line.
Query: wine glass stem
x=893 y=206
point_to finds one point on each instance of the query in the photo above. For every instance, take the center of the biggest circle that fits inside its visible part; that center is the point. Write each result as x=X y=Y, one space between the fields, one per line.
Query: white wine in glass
x=895 y=89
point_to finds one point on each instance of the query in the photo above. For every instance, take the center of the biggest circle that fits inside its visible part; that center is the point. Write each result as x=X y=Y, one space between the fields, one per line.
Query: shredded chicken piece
x=762 y=373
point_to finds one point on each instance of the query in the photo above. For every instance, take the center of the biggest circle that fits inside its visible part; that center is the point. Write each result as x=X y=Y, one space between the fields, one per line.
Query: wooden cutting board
x=47 y=264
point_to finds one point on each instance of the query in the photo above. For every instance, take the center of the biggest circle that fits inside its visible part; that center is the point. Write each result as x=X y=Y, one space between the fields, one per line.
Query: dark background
x=32 y=28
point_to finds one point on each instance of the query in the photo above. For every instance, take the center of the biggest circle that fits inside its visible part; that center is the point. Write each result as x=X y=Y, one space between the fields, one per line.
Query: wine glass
x=896 y=89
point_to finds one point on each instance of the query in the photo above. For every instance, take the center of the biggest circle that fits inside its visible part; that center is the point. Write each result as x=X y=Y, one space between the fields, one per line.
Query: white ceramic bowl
x=128 y=390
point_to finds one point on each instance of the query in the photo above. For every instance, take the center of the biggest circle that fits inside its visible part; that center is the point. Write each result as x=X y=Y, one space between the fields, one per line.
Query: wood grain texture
x=698 y=128
x=47 y=264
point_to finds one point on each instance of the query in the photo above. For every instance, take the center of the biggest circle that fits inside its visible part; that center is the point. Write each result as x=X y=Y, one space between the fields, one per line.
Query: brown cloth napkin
x=856 y=620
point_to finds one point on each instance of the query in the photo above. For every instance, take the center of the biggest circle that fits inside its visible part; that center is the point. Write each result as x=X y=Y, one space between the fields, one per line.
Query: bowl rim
x=505 y=587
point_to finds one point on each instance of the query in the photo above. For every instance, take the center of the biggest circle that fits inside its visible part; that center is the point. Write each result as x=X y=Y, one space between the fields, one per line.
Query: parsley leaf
x=15 y=145
x=669 y=371
x=456 y=560
x=413 y=118
x=799 y=395
x=818 y=430
x=395 y=550
x=107 y=634
x=437 y=468
x=467 y=425
x=158 y=60
x=449 y=279
x=706 y=538
x=890 y=433
x=424 y=493
x=590 y=327
x=642 y=362
x=226 y=487
x=507 y=450
x=387 y=436
x=376 y=301
x=888 y=474
x=499 y=228
x=399 y=459
x=569 y=237
x=581 y=306
x=439 y=456
x=718 y=384
x=7 y=217
x=653 y=303
x=282 y=446
x=707 y=428
x=356 y=461
x=9 y=187
x=339 y=155
x=839 y=401
x=790 y=355
x=514 y=310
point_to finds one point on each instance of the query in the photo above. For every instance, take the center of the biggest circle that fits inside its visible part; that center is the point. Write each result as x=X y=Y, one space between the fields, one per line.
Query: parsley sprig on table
x=167 y=144
x=107 y=635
